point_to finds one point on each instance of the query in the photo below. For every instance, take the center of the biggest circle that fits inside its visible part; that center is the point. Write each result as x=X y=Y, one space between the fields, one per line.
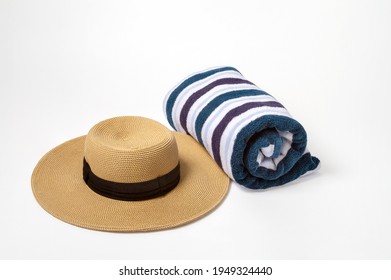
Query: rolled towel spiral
x=250 y=135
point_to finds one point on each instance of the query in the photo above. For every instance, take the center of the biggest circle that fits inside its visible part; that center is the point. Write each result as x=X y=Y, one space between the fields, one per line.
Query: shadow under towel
x=246 y=131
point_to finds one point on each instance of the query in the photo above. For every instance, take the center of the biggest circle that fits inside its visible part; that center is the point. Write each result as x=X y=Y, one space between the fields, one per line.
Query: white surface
x=66 y=65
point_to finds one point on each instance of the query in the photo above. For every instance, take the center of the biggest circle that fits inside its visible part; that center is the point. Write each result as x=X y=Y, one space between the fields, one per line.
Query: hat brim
x=58 y=186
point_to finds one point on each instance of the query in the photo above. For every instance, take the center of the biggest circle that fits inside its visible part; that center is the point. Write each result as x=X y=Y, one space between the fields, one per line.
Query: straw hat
x=129 y=174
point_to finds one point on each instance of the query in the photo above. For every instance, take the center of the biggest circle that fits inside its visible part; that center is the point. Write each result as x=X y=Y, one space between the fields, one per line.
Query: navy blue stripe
x=174 y=95
x=195 y=96
x=208 y=109
x=292 y=166
x=218 y=132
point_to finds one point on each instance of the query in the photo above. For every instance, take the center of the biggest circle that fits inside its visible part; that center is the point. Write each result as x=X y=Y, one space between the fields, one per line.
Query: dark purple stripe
x=195 y=96
x=218 y=132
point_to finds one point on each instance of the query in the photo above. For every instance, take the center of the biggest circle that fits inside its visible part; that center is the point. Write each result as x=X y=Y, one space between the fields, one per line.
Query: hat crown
x=130 y=150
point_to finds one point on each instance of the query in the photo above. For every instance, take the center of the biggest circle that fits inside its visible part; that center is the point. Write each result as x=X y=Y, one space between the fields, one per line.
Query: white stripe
x=192 y=88
x=236 y=125
x=178 y=84
x=219 y=113
x=204 y=100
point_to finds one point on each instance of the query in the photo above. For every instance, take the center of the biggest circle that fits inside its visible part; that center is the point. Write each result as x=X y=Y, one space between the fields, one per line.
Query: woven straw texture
x=58 y=185
x=130 y=149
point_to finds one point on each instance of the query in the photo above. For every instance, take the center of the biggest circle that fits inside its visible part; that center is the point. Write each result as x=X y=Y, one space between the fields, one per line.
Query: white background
x=66 y=65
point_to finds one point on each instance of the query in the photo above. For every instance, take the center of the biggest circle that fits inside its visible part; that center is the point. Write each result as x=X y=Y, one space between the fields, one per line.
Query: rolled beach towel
x=247 y=132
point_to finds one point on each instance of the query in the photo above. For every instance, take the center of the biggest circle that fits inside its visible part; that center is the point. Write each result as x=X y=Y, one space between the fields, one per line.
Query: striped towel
x=248 y=132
